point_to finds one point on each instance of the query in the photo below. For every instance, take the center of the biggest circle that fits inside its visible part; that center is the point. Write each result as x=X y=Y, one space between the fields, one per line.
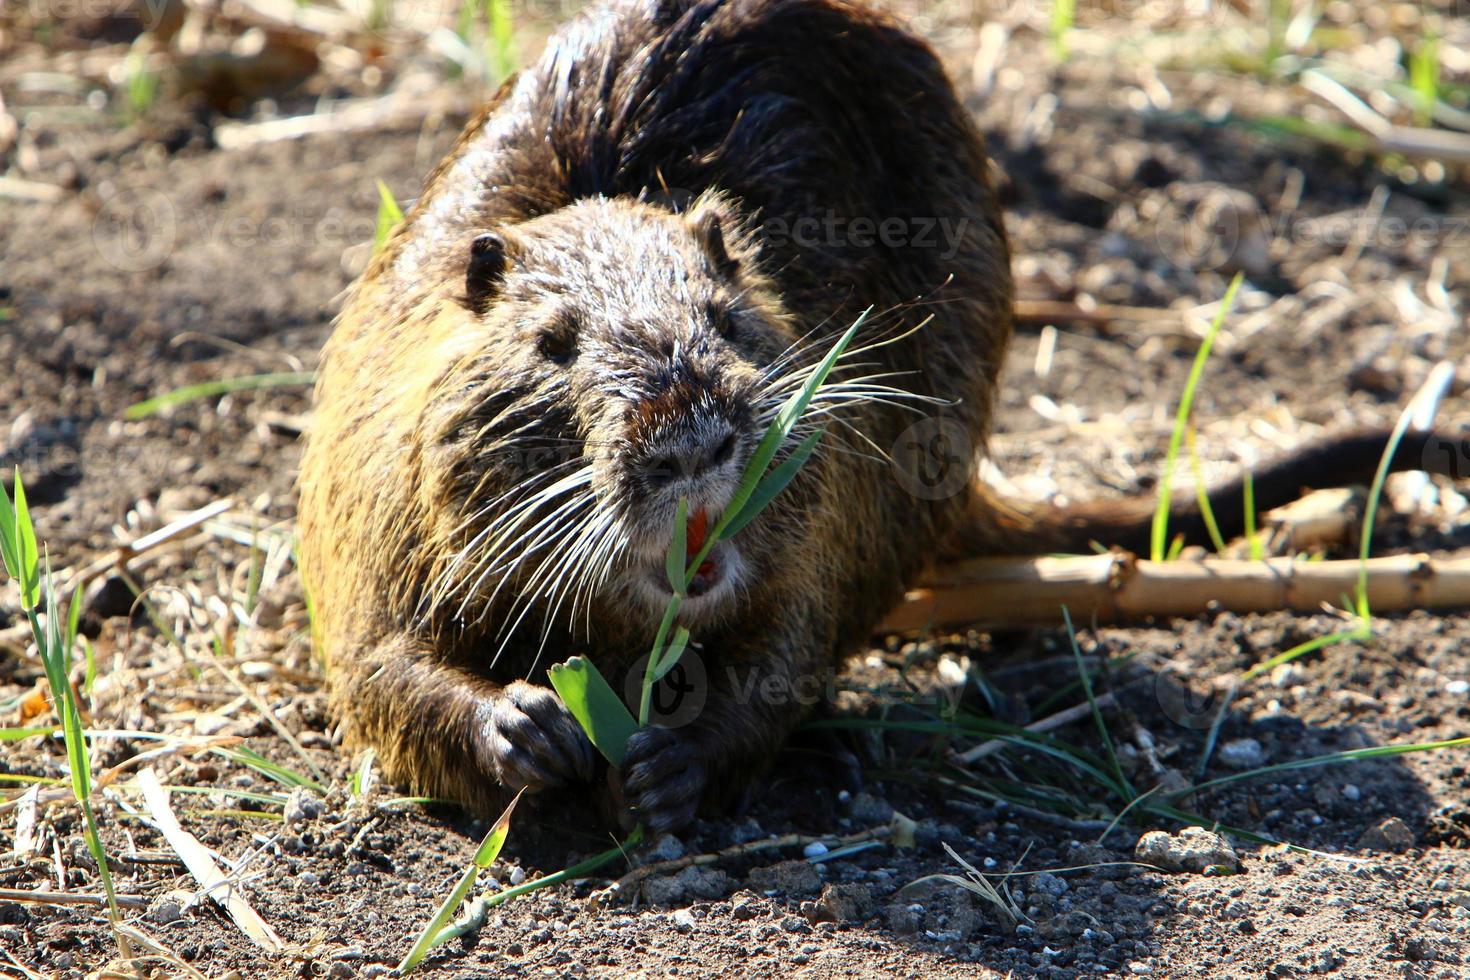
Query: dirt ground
x=164 y=260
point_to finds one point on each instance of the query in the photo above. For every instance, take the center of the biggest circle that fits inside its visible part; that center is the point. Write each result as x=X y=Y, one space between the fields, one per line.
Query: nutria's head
x=624 y=356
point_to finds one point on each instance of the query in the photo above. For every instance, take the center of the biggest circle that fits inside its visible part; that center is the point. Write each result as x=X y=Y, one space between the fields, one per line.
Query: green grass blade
x=774 y=482
x=362 y=776
x=780 y=428
x=1358 y=633
x=73 y=618
x=21 y=734
x=1252 y=539
x=389 y=217
x=678 y=549
x=1202 y=495
x=1176 y=547
x=1102 y=728
x=90 y=676
x=1063 y=16
x=671 y=656
x=1160 y=528
x=578 y=870
x=1331 y=759
x=645 y=697
x=1375 y=494
x=241 y=755
x=209 y=389
x=1213 y=734
x=27 y=555
x=489 y=848
x=485 y=856
x=9 y=534
x=58 y=670
x=435 y=925
x=1424 y=75
x=18 y=544
x=599 y=711
x=502 y=39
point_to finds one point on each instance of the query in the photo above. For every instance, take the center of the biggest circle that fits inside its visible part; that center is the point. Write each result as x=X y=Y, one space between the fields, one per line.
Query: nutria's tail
x=1001 y=525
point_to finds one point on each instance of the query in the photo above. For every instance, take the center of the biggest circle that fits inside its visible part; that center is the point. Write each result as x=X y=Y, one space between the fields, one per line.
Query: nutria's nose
x=687 y=456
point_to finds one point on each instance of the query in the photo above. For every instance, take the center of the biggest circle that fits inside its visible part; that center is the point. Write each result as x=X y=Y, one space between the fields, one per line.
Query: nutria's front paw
x=664 y=775
x=534 y=741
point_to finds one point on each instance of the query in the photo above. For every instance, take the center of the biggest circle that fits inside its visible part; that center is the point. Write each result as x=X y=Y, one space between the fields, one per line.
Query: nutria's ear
x=708 y=226
x=489 y=259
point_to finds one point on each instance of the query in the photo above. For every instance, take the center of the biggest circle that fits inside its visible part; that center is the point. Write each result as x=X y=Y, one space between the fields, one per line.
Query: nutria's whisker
x=494 y=546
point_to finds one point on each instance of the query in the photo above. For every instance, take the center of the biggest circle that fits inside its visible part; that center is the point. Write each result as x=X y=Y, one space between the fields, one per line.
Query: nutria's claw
x=534 y=741
x=664 y=776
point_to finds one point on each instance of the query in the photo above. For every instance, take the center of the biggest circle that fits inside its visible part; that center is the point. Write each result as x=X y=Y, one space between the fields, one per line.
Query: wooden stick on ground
x=70 y=898
x=1060 y=311
x=1121 y=587
x=124 y=553
x=1064 y=717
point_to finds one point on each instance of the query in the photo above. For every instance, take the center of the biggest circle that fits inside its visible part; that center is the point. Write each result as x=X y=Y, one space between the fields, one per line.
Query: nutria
x=593 y=310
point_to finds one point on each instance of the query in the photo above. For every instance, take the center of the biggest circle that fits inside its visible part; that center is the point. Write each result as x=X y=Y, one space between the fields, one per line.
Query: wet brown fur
x=762 y=110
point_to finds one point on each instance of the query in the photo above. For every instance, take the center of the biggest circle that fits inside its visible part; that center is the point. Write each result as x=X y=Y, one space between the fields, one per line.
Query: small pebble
x=1457 y=687
x=814 y=849
x=1242 y=753
x=517 y=876
x=683 y=920
x=302 y=806
x=1193 y=849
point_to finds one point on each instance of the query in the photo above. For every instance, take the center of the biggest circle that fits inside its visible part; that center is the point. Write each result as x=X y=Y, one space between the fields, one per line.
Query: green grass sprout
x=361 y=783
x=56 y=638
x=485 y=856
x=222 y=386
x=1256 y=549
x=500 y=45
x=1331 y=759
x=1362 y=631
x=1063 y=18
x=1202 y=494
x=142 y=84
x=390 y=216
x=1424 y=78
x=1160 y=529
x=1097 y=718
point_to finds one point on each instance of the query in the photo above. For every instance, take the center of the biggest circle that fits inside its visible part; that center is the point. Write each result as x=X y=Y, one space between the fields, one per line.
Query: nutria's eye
x=721 y=319
x=558 y=344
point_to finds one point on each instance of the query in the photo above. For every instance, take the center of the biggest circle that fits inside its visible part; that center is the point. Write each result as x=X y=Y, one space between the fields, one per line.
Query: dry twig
x=1119 y=587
